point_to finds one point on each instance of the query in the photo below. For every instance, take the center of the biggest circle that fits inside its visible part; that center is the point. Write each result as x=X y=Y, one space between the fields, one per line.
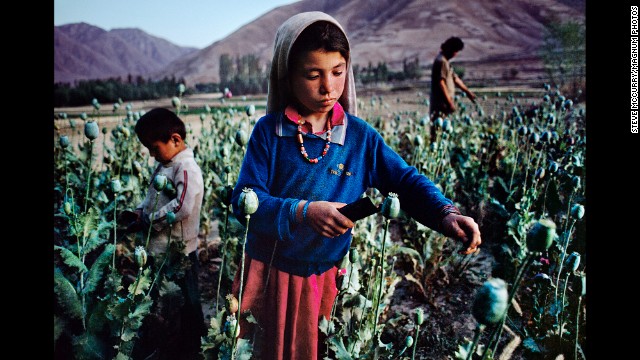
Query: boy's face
x=317 y=80
x=163 y=152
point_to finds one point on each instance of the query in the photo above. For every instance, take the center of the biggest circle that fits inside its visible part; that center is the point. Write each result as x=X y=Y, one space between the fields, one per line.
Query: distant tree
x=563 y=53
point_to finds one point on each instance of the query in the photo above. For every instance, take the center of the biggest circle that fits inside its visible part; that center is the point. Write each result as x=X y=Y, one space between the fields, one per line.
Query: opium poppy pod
x=573 y=261
x=250 y=109
x=141 y=256
x=391 y=206
x=241 y=137
x=91 y=130
x=408 y=341
x=577 y=211
x=171 y=217
x=419 y=316
x=248 y=201
x=541 y=235
x=64 y=141
x=175 y=101
x=181 y=89
x=159 y=182
x=490 y=302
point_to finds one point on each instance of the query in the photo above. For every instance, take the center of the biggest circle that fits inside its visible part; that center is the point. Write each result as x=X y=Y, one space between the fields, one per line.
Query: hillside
x=83 y=51
x=499 y=35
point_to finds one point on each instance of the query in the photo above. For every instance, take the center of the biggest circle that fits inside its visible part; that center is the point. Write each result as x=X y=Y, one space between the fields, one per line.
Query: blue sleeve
x=419 y=197
x=275 y=217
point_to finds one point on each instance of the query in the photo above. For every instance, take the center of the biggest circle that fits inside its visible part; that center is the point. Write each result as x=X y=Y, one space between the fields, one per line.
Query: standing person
x=444 y=81
x=307 y=157
x=163 y=133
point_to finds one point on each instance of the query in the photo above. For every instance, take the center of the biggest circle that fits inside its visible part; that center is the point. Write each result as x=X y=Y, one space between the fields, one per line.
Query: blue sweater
x=274 y=168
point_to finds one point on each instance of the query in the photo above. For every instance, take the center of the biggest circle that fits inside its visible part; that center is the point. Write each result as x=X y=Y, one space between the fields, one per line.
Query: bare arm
x=464 y=88
x=443 y=86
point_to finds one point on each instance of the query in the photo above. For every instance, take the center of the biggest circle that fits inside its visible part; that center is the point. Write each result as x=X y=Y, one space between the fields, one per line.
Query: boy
x=162 y=132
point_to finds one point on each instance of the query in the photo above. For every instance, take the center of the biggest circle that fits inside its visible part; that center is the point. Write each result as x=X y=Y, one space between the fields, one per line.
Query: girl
x=307 y=157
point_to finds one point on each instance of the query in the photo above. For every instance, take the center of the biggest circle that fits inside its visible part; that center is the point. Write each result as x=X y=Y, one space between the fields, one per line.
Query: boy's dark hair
x=320 y=35
x=157 y=125
x=452 y=45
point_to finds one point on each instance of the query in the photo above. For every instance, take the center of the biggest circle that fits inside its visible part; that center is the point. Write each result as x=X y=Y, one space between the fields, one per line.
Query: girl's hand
x=462 y=228
x=325 y=219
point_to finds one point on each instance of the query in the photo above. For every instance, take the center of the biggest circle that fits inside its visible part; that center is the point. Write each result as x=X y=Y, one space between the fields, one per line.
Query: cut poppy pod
x=490 y=302
x=91 y=130
x=391 y=206
x=159 y=182
x=248 y=201
x=141 y=256
x=541 y=235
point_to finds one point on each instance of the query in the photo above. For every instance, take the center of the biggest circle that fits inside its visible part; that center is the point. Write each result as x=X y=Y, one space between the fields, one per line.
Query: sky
x=196 y=23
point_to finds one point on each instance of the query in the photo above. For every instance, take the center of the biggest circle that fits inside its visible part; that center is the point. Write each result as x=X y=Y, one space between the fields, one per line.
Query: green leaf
x=244 y=349
x=141 y=310
x=97 y=269
x=93 y=243
x=325 y=326
x=121 y=356
x=337 y=344
x=70 y=258
x=67 y=296
x=58 y=327
x=531 y=345
x=89 y=221
x=88 y=346
x=142 y=283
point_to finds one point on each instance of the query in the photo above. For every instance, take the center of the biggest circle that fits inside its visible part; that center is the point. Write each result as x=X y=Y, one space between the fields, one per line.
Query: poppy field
x=514 y=161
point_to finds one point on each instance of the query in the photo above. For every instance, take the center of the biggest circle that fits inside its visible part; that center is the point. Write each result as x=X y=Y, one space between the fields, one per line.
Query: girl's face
x=317 y=80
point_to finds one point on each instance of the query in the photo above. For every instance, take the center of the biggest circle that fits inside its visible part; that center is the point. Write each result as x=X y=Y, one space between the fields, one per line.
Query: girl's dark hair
x=157 y=125
x=452 y=45
x=320 y=35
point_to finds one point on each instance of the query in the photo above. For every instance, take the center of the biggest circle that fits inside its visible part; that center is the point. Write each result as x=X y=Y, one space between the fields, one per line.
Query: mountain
x=500 y=36
x=83 y=51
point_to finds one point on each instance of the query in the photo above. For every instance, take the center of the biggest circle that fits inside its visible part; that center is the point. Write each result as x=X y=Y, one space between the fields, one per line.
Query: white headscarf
x=286 y=35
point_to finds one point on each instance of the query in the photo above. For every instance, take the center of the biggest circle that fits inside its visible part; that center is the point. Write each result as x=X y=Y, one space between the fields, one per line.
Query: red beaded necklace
x=301 y=142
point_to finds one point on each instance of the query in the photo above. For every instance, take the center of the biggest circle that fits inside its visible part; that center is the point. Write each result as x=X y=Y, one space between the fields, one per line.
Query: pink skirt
x=288 y=311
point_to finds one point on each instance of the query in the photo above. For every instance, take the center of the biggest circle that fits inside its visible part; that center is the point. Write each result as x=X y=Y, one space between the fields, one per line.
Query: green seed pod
x=553 y=167
x=542 y=280
x=408 y=341
x=541 y=235
x=141 y=256
x=116 y=187
x=170 y=189
x=84 y=116
x=64 y=141
x=126 y=132
x=241 y=137
x=391 y=206
x=181 y=89
x=203 y=117
x=540 y=173
x=575 y=181
x=490 y=302
x=438 y=123
x=207 y=108
x=67 y=207
x=116 y=106
x=250 y=109
x=419 y=316
x=248 y=201
x=573 y=261
x=227 y=169
x=175 y=102
x=354 y=256
x=171 y=217
x=577 y=211
x=159 y=182
x=418 y=141
x=91 y=130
